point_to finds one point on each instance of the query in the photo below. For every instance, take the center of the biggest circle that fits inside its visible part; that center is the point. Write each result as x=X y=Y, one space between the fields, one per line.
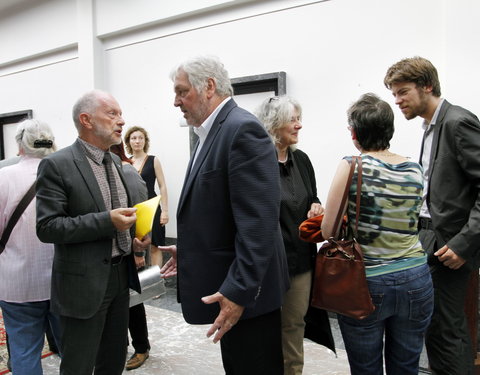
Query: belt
x=425 y=223
x=116 y=260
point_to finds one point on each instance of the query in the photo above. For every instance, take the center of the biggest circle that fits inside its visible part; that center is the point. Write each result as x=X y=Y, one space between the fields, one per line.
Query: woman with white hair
x=282 y=116
x=25 y=263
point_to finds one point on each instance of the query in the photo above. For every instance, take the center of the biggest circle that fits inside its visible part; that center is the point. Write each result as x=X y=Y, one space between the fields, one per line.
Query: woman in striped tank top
x=397 y=273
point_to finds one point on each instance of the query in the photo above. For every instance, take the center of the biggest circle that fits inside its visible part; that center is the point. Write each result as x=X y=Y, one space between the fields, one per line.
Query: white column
x=90 y=48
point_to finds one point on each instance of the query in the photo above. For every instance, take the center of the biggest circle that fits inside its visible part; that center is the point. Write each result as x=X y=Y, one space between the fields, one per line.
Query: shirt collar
x=425 y=124
x=203 y=130
x=93 y=152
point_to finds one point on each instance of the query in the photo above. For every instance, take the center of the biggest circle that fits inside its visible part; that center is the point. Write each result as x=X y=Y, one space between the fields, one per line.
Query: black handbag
x=22 y=205
x=340 y=284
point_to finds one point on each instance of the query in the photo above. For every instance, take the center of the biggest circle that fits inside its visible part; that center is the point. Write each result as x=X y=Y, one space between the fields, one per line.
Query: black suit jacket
x=453 y=195
x=72 y=215
x=229 y=237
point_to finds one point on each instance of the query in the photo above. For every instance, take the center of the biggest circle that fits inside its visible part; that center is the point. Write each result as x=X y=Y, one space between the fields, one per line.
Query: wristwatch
x=139 y=253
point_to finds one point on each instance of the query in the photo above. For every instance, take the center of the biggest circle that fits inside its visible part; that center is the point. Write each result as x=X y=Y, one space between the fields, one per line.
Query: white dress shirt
x=203 y=130
x=427 y=150
x=26 y=263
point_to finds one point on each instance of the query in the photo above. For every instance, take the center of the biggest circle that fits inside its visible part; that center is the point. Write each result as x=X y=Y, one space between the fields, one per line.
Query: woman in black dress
x=137 y=143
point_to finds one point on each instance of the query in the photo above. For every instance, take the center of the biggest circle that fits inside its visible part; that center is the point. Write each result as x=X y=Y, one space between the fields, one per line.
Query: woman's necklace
x=285 y=158
x=380 y=153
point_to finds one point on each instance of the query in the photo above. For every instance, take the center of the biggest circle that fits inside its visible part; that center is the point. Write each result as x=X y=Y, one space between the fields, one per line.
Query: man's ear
x=428 y=89
x=85 y=120
x=211 y=87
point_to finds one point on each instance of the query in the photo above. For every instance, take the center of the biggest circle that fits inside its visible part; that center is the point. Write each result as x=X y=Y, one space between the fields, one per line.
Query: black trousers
x=447 y=340
x=254 y=346
x=99 y=342
x=137 y=325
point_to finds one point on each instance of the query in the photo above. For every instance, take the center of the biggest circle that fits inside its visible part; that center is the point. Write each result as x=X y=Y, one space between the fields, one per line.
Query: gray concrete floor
x=182 y=349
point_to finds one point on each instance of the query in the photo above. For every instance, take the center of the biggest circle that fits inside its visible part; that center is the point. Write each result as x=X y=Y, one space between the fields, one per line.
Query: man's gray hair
x=200 y=69
x=87 y=103
x=35 y=138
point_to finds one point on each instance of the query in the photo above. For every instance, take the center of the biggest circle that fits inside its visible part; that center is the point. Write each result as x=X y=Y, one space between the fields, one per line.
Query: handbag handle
x=358 y=160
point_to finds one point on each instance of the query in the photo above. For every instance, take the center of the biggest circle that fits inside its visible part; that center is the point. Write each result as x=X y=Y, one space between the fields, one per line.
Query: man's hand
x=229 y=315
x=169 y=269
x=315 y=210
x=449 y=258
x=123 y=218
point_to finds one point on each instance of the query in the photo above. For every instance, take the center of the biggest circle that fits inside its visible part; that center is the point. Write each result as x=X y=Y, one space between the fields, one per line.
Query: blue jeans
x=25 y=324
x=403 y=308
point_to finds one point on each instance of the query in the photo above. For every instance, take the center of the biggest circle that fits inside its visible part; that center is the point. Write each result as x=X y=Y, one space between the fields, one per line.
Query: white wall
x=49 y=91
x=332 y=52
x=36 y=26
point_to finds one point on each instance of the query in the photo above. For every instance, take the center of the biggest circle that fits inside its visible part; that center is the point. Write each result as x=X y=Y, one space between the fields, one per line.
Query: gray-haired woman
x=281 y=116
x=26 y=263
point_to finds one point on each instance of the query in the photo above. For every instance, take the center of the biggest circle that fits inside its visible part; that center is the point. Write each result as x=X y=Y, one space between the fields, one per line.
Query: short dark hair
x=372 y=120
x=417 y=70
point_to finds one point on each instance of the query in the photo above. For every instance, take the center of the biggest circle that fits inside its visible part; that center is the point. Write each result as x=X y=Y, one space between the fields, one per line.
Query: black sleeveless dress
x=148 y=174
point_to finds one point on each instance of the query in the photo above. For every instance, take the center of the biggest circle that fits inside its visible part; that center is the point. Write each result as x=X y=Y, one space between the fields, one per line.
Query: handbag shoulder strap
x=22 y=205
x=338 y=219
x=359 y=192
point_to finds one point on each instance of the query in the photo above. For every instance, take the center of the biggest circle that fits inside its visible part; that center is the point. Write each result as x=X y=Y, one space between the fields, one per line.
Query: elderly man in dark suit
x=232 y=270
x=82 y=207
x=450 y=215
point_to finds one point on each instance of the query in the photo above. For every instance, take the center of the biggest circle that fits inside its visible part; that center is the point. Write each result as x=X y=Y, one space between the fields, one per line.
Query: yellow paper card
x=145 y=214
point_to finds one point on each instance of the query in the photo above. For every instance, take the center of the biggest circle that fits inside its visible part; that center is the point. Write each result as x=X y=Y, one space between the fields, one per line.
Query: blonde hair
x=129 y=132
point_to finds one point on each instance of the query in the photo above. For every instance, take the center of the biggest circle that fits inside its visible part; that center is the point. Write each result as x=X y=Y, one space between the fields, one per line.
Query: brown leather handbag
x=340 y=284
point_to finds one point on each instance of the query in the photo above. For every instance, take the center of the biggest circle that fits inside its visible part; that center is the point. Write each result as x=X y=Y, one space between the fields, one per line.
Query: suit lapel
x=212 y=134
x=421 y=148
x=436 y=137
x=187 y=174
x=80 y=160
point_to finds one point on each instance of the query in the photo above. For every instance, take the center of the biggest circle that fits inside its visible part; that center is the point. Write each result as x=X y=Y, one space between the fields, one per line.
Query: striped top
x=389 y=210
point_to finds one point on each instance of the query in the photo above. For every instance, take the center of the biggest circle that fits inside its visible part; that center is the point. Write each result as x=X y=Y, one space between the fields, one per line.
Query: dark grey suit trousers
x=449 y=349
x=105 y=333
